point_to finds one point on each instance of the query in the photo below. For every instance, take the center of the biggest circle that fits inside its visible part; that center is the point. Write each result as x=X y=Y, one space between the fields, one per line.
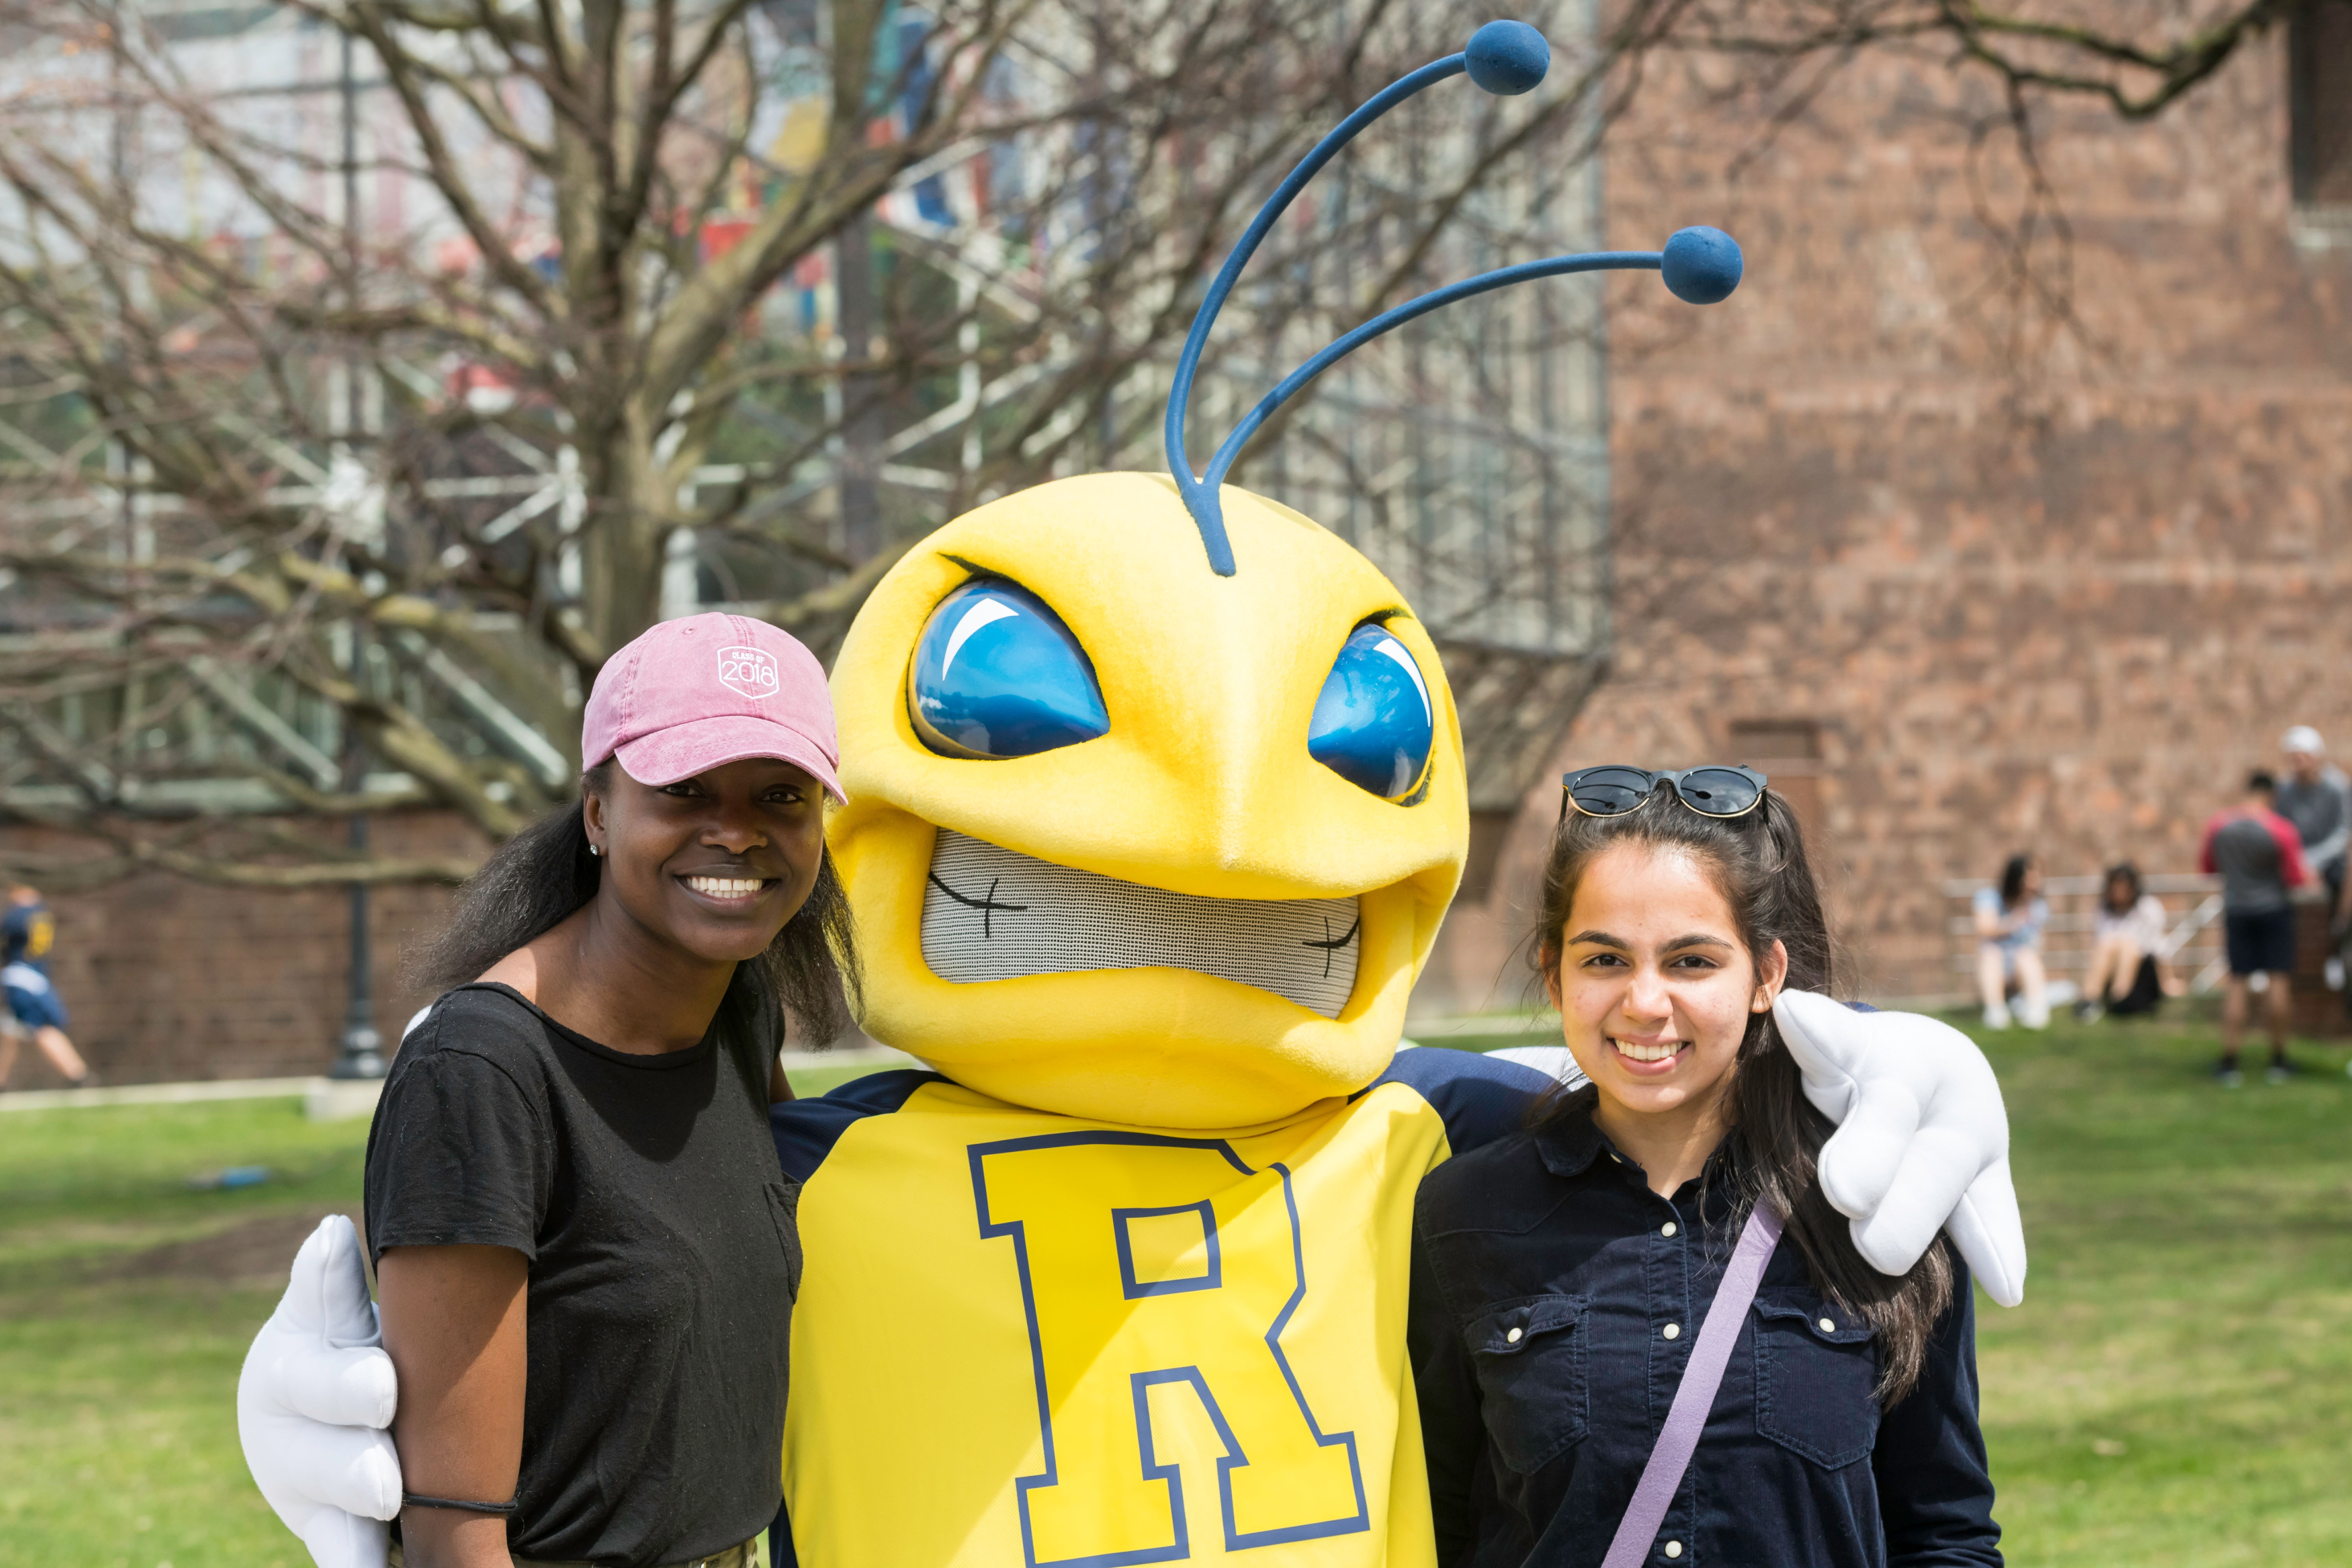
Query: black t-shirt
x=663 y=1258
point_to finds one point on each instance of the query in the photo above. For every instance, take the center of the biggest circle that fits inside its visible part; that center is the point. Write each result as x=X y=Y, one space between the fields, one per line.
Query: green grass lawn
x=126 y=1301
x=2177 y=1389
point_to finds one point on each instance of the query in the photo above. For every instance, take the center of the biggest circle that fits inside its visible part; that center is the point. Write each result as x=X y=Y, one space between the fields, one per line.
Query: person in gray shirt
x=2258 y=855
x=2317 y=797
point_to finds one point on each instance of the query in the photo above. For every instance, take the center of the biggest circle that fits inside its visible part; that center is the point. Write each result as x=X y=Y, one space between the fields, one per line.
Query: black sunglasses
x=1615 y=789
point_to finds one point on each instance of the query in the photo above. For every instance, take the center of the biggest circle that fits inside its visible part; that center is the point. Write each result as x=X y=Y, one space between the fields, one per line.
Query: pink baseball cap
x=697 y=693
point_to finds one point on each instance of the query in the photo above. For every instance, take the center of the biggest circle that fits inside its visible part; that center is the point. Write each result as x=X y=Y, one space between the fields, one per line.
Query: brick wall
x=2033 y=586
x=170 y=980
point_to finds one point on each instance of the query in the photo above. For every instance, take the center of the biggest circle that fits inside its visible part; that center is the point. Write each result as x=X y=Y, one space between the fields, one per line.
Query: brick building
x=1969 y=570
x=1968 y=567
x=168 y=979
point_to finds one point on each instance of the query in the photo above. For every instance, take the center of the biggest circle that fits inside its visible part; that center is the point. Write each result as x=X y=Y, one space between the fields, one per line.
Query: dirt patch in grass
x=255 y=1251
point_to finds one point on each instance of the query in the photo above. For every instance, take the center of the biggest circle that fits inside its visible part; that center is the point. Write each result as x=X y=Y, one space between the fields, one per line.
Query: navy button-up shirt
x=1555 y=1302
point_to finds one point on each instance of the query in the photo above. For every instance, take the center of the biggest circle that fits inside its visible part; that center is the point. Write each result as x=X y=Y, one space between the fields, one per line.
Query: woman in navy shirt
x=1560 y=1277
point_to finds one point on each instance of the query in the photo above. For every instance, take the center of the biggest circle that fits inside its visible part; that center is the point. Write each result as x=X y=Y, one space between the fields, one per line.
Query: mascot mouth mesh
x=992 y=915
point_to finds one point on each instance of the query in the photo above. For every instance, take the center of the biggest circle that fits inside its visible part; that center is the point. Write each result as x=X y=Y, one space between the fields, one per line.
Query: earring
x=596 y=850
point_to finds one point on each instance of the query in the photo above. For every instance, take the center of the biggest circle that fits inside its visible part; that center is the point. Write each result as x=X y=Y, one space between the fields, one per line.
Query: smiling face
x=1654 y=982
x=713 y=865
x=1131 y=840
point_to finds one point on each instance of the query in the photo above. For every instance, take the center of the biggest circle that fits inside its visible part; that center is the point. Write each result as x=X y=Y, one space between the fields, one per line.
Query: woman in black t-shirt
x=585 y=1252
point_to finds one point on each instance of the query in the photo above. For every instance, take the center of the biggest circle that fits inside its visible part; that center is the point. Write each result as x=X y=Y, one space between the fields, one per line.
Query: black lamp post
x=360 y=1049
x=359 y=1052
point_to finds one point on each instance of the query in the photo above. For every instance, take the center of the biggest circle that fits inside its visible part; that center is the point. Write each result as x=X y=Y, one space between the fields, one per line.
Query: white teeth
x=725 y=887
x=1656 y=1053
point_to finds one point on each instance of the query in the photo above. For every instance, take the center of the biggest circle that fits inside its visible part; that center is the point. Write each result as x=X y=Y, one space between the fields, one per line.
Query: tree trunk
x=621 y=541
x=861 y=428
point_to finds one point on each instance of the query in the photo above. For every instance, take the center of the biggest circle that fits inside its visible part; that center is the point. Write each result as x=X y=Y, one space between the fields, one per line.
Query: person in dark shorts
x=585 y=1251
x=27 y=932
x=2259 y=857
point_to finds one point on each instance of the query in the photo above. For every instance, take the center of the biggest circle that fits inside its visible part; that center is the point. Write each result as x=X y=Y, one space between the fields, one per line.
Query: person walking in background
x=27 y=931
x=2259 y=857
x=2127 y=972
x=2317 y=798
x=2009 y=919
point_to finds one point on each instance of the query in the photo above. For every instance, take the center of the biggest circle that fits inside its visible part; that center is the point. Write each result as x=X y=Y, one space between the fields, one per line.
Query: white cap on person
x=2303 y=738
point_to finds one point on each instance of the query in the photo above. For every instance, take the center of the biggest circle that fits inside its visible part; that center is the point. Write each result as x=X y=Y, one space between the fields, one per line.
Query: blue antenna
x=1701 y=266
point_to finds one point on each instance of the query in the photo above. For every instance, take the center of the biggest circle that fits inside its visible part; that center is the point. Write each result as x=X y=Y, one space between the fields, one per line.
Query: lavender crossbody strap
x=1678 y=1439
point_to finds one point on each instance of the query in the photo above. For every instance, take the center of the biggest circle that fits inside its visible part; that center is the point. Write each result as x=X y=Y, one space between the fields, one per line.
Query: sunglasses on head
x=1613 y=789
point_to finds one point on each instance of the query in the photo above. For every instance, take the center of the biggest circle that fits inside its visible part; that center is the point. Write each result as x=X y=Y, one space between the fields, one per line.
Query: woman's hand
x=453 y=1324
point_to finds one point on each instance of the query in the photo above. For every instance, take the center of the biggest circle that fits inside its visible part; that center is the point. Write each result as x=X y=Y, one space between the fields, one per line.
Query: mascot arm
x=1922 y=1140
x=806 y=1130
x=313 y=1403
x=1480 y=1096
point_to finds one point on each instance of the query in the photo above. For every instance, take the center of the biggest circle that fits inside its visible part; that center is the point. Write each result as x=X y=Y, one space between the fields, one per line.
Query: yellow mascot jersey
x=1025 y=1339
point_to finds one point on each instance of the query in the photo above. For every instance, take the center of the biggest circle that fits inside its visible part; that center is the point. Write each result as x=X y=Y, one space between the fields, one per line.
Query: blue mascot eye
x=996 y=673
x=1372 y=724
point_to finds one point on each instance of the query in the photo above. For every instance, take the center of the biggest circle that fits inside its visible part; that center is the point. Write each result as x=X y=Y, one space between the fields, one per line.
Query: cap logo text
x=749 y=671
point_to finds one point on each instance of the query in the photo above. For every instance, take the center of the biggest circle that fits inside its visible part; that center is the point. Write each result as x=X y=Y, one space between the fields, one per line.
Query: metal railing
x=2192 y=905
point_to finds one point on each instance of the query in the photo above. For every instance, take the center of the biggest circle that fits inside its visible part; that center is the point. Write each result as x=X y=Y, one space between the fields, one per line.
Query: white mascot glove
x=313 y=1403
x=1922 y=1140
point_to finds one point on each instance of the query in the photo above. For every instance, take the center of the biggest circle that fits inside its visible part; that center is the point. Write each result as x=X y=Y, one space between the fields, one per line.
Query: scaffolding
x=1468 y=459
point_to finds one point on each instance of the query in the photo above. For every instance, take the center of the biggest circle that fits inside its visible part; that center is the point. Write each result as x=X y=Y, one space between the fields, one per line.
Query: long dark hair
x=2128 y=875
x=1757 y=863
x=544 y=875
x=2012 y=880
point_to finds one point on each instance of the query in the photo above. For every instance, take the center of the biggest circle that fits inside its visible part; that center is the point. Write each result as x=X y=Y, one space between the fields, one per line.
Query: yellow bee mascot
x=1155 y=803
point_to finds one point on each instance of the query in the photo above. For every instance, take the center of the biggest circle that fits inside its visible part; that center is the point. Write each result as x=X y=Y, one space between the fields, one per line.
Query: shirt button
x=1674 y=1549
x=1672 y=1330
x=1828 y=1327
x=1667 y=1228
x=1512 y=1338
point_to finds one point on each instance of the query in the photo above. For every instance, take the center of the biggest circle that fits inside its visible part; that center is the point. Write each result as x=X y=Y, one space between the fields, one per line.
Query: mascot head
x=1155 y=785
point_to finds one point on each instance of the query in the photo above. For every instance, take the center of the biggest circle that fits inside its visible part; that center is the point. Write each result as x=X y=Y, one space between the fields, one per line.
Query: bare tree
x=2139 y=65
x=375 y=369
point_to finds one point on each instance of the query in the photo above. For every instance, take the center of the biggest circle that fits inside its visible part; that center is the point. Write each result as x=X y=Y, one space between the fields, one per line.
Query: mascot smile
x=1156 y=803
